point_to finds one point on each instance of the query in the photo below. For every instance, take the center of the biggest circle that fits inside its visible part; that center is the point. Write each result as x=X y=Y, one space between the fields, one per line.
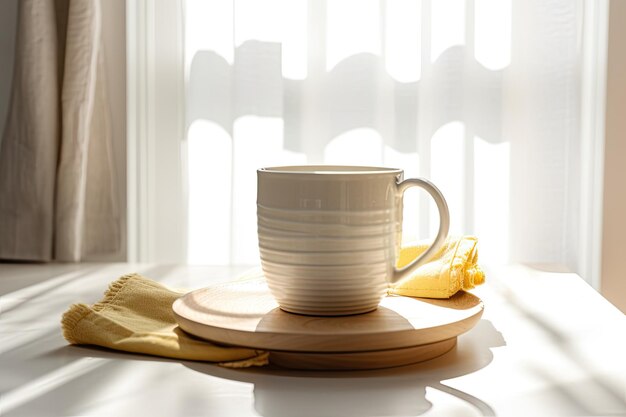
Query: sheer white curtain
x=482 y=97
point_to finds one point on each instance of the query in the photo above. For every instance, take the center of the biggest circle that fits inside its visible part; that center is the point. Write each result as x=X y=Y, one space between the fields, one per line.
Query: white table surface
x=547 y=344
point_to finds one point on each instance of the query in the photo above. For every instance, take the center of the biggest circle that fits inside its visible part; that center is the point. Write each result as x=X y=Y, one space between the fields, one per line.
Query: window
x=483 y=98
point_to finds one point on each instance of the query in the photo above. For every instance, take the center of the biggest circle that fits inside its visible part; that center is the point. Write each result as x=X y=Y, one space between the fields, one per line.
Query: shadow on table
x=77 y=370
x=390 y=392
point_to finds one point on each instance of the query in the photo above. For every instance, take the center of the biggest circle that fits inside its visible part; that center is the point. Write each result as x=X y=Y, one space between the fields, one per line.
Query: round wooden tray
x=243 y=313
x=376 y=359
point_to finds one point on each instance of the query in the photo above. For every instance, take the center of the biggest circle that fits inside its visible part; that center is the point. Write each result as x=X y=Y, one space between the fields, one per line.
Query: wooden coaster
x=244 y=313
x=361 y=360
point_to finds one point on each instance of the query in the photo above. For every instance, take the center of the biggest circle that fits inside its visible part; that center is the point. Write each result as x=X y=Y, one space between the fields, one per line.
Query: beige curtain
x=57 y=183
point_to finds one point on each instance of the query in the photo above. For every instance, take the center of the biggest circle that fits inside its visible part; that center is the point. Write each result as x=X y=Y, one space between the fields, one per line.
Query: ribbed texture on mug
x=326 y=262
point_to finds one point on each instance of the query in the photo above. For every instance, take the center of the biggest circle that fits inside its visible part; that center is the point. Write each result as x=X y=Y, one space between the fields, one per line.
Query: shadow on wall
x=347 y=97
x=354 y=113
x=500 y=141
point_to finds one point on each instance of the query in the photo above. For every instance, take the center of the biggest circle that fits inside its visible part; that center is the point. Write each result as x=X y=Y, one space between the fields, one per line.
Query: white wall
x=613 y=280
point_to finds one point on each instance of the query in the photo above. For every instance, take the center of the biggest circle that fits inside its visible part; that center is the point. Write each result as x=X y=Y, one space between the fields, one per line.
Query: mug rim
x=330 y=170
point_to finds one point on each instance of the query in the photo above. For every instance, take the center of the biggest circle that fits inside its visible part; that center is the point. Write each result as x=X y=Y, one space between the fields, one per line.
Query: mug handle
x=444 y=226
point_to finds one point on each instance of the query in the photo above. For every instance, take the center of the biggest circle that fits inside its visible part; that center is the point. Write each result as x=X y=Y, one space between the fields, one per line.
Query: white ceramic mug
x=329 y=235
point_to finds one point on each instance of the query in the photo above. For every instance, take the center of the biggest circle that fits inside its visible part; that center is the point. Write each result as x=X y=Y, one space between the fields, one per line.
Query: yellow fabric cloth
x=135 y=314
x=453 y=268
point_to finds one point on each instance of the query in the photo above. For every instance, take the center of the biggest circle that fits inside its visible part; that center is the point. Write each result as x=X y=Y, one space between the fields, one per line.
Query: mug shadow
x=384 y=392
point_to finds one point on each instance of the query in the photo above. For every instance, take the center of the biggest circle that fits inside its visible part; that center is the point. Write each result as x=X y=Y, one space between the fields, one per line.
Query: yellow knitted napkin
x=135 y=314
x=452 y=269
